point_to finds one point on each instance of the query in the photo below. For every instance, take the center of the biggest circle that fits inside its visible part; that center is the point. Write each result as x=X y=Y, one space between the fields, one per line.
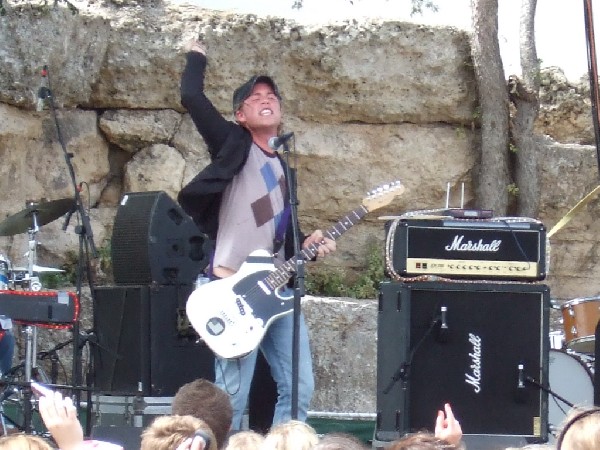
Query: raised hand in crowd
x=447 y=427
x=60 y=417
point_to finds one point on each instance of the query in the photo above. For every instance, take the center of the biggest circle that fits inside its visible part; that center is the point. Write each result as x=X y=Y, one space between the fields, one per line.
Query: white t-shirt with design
x=251 y=209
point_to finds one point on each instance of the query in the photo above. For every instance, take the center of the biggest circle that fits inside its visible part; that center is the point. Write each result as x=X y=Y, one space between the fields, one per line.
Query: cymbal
x=46 y=212
x=36 y=269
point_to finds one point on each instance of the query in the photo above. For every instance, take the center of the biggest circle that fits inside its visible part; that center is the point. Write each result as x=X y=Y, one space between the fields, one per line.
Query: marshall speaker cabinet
x=502 y=249
x=474 y=345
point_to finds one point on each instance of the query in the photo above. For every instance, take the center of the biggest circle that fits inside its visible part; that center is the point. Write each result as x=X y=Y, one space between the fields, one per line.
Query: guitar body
x=232 y=314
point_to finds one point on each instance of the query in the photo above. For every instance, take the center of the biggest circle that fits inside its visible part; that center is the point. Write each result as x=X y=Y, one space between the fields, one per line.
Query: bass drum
x=570 y=378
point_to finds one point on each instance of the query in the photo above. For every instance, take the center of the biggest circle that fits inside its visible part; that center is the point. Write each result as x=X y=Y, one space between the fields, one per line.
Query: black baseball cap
x=244 y=91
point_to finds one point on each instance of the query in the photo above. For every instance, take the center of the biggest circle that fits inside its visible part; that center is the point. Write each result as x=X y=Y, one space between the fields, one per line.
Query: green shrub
x=336 y=282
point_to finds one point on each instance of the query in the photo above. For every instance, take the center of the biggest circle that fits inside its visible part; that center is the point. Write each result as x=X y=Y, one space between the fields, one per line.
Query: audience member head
x=339 y=441
x=167 y=432
x=292 y=435
x=23 y=442
x=581 y=430
x=420 y=441
x=204 y=400
x=245 y=440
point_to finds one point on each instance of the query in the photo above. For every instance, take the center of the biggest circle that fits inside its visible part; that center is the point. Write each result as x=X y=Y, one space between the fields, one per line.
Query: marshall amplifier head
x=503 y=248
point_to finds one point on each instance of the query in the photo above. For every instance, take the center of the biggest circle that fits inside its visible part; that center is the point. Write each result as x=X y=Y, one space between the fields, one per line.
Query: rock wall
x=369 y=103
x=359 y=120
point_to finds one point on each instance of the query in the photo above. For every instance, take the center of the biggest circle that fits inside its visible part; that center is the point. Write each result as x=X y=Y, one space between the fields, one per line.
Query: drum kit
x=572 y=358
x=29 y=220
x=22 y=301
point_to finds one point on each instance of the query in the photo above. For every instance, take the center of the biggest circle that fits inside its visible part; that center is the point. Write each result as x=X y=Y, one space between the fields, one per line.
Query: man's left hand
x=325 y=245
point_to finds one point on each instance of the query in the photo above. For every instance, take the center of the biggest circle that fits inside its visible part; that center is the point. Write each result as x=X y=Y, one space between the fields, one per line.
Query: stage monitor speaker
x=145 y=344
x=155 y=241
x=472 y=345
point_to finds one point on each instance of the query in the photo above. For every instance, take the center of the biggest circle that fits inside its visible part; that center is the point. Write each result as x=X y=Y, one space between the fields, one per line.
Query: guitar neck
x=284 y=272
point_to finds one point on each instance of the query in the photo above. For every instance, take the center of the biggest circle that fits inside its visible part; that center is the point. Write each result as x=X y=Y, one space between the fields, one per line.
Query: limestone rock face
x=72 y=46
x=567 y=174
x=344 y=353
x=156 y=168
x=566 y=109
x=133 y=130
x=34 y=167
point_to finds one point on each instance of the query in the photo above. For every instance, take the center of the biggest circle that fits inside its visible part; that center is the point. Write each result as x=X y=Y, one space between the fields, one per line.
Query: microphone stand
x=86 y=246
x=298 y=281
x=403 y=371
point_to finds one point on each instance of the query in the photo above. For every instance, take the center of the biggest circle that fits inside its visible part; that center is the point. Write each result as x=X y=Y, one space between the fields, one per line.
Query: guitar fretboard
x=283 y=273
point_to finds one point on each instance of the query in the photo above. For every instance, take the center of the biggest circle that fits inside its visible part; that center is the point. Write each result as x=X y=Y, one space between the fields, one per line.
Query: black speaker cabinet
x=144 y=342
x=472 y=345
x=155 y=241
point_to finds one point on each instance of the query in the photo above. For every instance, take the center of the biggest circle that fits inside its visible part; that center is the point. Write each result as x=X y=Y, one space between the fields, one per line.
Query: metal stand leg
x=30 y=344
x=30 y=364
x=3 y=420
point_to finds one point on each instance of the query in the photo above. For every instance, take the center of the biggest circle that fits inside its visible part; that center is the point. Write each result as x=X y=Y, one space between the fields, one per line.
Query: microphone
x=442 y=332
x=43 y=91
x=521 y=378
x=521 y=391
x=68 y=218
x=277 y=141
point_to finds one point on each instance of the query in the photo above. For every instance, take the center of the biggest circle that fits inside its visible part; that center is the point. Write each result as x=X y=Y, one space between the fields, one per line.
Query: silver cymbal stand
x=34 y=281
x=30 y=331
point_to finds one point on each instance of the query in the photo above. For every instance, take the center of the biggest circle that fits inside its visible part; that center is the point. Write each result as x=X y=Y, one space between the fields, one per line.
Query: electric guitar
x=232 y=314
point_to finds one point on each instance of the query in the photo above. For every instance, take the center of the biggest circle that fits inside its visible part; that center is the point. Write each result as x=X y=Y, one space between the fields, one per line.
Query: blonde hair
x=422 y=440
x=23 y=442
x=292 y=435
x=245 y=440
x=581 y=430
x=167 y=432
x=339 y=441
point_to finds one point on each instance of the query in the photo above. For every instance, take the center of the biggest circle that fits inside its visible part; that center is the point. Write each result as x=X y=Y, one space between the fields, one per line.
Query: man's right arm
x=210 y=123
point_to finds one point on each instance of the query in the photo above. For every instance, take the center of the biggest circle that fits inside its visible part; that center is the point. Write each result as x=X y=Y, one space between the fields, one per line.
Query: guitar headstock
x=382 y=195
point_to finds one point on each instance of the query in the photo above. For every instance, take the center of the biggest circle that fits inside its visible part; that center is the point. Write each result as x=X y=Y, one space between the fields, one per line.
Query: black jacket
x=228 y=144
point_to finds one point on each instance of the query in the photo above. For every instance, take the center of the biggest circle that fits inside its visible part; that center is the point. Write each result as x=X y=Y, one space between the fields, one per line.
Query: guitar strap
x=209 y=269
x=285 y=214
x=280 y=232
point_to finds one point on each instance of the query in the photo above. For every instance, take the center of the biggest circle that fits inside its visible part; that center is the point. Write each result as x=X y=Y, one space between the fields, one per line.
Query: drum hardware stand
x=30 y=331
x=31 y=371
x=34 y=282
x=86 y=247
x=29 y=220
x=530 y=380
x=4 y=419
x=53 y=355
